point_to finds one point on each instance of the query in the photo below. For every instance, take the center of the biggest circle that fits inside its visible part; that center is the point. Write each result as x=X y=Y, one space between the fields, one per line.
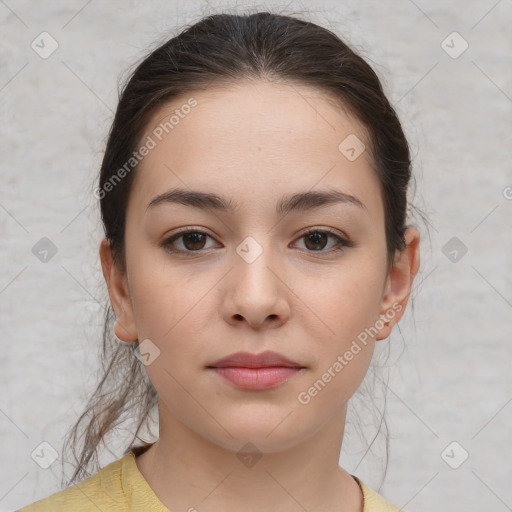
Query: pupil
x=193 y=238
x=317 y=239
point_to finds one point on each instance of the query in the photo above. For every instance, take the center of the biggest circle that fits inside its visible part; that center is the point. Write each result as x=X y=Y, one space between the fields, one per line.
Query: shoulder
x=374 y=502
x=100 y=490
x=117 y=487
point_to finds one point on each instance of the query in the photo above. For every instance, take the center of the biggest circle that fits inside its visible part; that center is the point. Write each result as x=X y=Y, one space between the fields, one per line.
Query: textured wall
x=450 y=375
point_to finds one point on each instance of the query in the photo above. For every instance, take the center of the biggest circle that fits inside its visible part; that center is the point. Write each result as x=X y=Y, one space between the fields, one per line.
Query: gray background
x=450 y=365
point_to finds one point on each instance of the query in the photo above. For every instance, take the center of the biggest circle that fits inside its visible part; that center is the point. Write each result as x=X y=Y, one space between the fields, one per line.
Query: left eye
x=194 y=241
x=317 y=238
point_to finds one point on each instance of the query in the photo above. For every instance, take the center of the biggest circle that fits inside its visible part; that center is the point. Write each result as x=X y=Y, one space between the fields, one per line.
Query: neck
x=188 y=471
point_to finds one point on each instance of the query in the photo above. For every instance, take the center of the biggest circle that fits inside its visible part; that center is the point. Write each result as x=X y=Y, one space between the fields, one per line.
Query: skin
x=253 y=143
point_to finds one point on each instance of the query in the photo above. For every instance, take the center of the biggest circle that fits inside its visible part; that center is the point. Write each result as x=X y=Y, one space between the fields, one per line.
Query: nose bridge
x=255 y=291
x=254 y=261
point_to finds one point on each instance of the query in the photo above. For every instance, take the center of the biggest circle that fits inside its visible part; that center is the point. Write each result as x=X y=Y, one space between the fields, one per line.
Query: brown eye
x=317 y=240
x=191 y=241
x=194 y=241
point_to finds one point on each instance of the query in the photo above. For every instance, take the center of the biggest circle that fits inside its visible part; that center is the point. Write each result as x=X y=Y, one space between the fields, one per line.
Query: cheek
x=348 y=299
x=165 y=307
x=347 y=305
x=174 y=310
x=163 y=296
x=343 y=344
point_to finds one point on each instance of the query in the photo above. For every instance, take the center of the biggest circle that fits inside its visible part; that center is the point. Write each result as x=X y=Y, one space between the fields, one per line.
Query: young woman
x=254 y=196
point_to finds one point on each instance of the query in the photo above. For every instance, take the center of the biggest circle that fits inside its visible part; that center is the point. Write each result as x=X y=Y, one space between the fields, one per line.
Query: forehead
x=253 y=111
x=252 y=137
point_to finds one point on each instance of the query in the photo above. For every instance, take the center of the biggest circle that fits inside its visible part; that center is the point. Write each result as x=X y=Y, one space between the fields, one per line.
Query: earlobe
x=399 y=283
x=124 y=326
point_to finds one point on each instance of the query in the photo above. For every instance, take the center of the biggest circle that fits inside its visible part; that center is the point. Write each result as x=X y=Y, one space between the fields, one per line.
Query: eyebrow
x=299 y=202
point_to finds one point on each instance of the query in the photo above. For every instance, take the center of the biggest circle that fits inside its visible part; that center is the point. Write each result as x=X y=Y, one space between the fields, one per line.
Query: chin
x=267 y=436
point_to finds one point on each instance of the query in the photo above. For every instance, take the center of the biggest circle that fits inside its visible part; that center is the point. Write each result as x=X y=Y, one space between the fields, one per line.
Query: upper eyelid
x=331 y=231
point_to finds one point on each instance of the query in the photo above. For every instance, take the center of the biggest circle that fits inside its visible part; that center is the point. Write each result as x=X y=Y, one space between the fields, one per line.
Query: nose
x=256 y=289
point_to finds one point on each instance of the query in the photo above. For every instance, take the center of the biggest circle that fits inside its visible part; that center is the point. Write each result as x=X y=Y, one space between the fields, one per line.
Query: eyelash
x=342 y=242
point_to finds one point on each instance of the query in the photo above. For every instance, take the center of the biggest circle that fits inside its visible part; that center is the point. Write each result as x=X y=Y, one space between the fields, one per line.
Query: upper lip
x=248 y=360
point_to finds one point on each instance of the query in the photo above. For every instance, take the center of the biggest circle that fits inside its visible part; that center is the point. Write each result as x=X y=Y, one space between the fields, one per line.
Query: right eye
x=193 y=240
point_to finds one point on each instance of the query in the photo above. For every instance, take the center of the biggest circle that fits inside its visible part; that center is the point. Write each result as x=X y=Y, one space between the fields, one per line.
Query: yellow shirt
x=120 y=487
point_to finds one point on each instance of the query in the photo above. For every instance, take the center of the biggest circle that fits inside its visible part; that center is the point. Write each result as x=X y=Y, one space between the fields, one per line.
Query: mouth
x=256 y=378
x=256 y=371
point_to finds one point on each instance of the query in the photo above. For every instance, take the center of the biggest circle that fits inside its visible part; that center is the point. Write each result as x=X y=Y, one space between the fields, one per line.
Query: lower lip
x=257 y=378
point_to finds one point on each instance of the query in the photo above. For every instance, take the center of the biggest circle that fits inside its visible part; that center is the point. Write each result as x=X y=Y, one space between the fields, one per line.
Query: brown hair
x=224 y=49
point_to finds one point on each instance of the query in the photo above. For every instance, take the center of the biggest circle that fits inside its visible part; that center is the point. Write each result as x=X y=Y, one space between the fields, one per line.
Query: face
x=306 y=279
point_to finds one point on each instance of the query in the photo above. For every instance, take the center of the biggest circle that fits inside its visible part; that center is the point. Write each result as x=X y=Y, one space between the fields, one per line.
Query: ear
x=124 y=326
x=398 y=285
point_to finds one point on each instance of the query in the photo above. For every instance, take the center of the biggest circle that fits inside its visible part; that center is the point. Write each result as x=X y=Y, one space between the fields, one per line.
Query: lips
x=256 y=372
x=247 y=360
